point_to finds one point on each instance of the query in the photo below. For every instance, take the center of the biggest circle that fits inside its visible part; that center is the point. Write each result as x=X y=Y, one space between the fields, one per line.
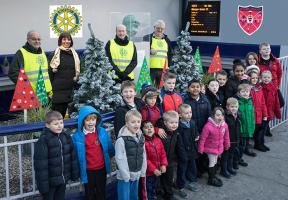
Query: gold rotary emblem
x=66 y=19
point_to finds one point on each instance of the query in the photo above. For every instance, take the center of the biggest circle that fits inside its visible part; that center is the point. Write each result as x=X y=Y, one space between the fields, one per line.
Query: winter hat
x=251 y=68
x=148 y=91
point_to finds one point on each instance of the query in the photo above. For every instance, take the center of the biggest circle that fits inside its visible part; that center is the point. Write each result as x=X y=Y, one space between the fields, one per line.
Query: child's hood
x=212 y=122
x=125 y=132
x=84 y=112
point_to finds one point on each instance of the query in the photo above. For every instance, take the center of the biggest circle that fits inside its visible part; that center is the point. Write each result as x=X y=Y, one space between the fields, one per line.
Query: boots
x=230 y=166
x=224 y=171
x=212 y=179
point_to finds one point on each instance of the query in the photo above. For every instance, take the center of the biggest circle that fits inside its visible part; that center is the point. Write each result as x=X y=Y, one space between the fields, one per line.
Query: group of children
x=164 y=140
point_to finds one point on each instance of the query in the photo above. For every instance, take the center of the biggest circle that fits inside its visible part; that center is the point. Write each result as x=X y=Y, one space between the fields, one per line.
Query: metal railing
x=7 y=131
x=284 y=90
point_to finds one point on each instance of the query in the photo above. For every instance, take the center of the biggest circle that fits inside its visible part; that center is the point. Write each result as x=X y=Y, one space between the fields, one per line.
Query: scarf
x=55 y=61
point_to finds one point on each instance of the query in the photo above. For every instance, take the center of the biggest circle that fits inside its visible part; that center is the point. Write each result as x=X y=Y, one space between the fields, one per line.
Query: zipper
x=158 y=162
x=173 y=102
x=62 y=158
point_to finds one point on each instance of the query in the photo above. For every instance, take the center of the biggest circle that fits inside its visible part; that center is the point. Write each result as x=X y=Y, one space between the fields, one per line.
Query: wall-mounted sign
x=65 y=18
x=204 y=17
x=250 y=18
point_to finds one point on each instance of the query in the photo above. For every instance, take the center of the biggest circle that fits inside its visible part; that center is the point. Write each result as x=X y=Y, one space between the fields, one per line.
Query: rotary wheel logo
x=160 y=43
x=123 y=52
x=66 y=19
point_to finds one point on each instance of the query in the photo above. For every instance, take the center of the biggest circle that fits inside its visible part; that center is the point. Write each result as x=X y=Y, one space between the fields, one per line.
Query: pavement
x=265 y=178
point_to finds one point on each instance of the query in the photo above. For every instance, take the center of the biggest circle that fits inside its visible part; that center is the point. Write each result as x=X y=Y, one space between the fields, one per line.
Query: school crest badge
x=65 y=18
x=250 y=18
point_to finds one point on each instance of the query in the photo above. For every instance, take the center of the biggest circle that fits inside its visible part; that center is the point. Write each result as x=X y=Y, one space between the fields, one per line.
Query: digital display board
x=204 y=18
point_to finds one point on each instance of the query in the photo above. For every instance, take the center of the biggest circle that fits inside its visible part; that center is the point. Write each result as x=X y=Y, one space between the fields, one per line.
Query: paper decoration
x=216 y=64
x=41 y=90
x=144 y=76
x=163 y=73
x=24 y=96
x=198 y=61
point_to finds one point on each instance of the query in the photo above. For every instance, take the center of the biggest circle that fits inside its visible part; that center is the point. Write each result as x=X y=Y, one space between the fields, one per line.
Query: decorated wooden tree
x=144 y=76
x=198 y=62
x=216 y=64
x=41 y=90
x=24 y=96
x=163 y=73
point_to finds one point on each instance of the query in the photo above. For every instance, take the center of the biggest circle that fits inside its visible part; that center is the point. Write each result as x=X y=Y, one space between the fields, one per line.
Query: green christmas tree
x=183 y=61
x=198 y=61
x=97 y=88
x=144 y=76
x=40 y=89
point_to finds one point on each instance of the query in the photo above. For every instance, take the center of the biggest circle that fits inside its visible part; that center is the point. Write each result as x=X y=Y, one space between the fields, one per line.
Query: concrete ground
x=266 y=177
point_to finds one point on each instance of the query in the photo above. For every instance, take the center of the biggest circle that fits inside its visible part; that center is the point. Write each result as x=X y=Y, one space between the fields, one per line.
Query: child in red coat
x=156 y=159
x=260 y=111
x=270 y=91
x=213 y=140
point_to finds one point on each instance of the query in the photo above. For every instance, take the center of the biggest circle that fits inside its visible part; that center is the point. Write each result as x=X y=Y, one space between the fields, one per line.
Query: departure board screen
x=204 y=17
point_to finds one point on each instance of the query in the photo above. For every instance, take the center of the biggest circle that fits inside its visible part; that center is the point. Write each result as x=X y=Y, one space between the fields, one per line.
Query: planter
x=5 y=69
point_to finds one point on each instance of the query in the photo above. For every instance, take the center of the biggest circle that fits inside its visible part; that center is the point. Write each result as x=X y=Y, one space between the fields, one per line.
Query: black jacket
x=188 y=135
x=55 y=161
x=234 y=128
x=122 y=75
x=120 y=112
x=62 y=81
x=215 y=101
x=201 y=109
x=231 y=88
x=18 y=61
x=148 y=38
x=173 y=144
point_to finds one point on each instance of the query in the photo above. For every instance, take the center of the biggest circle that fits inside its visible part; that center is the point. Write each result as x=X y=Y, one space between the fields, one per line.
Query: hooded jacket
x=214 y=138
x=247 y=119
x=171 y=100
x=55 y=161
x=79 y=141
x=150 y=113
x=274 y=66
x=272 y=100
x=215 y=100
x=231 y=87
x=258 y=100
x=123 y=171
x=156 y=155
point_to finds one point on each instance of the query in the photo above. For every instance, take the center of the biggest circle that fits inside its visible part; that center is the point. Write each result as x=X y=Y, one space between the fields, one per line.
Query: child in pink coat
x=213 y=139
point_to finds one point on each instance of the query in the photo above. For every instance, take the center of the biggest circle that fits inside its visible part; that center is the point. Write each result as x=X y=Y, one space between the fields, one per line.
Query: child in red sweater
x=156 y=159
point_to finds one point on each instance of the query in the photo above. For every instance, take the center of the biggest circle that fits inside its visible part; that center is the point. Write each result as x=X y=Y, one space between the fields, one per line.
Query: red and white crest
x=250 y=18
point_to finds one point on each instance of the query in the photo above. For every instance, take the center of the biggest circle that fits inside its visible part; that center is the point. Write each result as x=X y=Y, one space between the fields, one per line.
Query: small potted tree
x=5 y=66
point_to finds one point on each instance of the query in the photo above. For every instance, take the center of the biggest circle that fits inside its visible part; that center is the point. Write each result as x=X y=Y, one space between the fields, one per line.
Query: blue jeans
x=151 y=186
x=186 y=173
x=127 y=190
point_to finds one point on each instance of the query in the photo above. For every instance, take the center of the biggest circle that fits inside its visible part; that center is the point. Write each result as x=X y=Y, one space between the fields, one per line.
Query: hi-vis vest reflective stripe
x=122 y=55
x=161 y=48
x=32 y=64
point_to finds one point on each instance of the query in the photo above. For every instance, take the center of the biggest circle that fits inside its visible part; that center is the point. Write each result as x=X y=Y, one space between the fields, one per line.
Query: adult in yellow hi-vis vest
x=122 y=55
x=31 y=57
x=160 y=51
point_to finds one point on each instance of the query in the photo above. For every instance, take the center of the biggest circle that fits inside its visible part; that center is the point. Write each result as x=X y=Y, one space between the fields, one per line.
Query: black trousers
x=156 y=74
x=55 y=193
x=95 y=189
x=259 y=134
x=166 y=182
x=60 y=107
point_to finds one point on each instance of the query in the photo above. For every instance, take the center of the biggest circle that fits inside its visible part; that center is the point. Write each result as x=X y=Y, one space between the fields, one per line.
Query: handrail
x=38 y=126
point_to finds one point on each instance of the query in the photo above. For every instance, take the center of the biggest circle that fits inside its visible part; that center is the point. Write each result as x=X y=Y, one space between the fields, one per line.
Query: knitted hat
x=148 y=91
x=253 y=68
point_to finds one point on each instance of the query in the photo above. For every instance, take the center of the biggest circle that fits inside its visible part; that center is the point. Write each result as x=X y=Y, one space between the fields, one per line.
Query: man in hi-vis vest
x=122 y=55
x=160 y=51
x=31 y=57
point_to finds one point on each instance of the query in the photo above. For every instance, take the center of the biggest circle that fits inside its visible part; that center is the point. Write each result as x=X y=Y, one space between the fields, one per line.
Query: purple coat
x=214 y=138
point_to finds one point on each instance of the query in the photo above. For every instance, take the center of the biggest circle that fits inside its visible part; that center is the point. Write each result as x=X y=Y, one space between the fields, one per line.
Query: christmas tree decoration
x=198 y=61
x=183 y=62
x=24 y=96
x=163 y=73
x=144 y=76
x=40 y=89
x=216 y=64
x=97 y=88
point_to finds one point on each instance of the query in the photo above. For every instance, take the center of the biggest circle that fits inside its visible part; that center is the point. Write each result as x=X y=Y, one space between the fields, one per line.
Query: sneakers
x=243 y=163
x=182 y=193
x=192 y=187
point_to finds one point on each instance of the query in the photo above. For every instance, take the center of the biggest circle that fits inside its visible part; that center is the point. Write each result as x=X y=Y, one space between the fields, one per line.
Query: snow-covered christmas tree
x=97 y=88
x=183 y=62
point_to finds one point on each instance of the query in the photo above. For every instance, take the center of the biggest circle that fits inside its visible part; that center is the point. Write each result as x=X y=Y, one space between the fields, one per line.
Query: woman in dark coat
x=64 y=70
